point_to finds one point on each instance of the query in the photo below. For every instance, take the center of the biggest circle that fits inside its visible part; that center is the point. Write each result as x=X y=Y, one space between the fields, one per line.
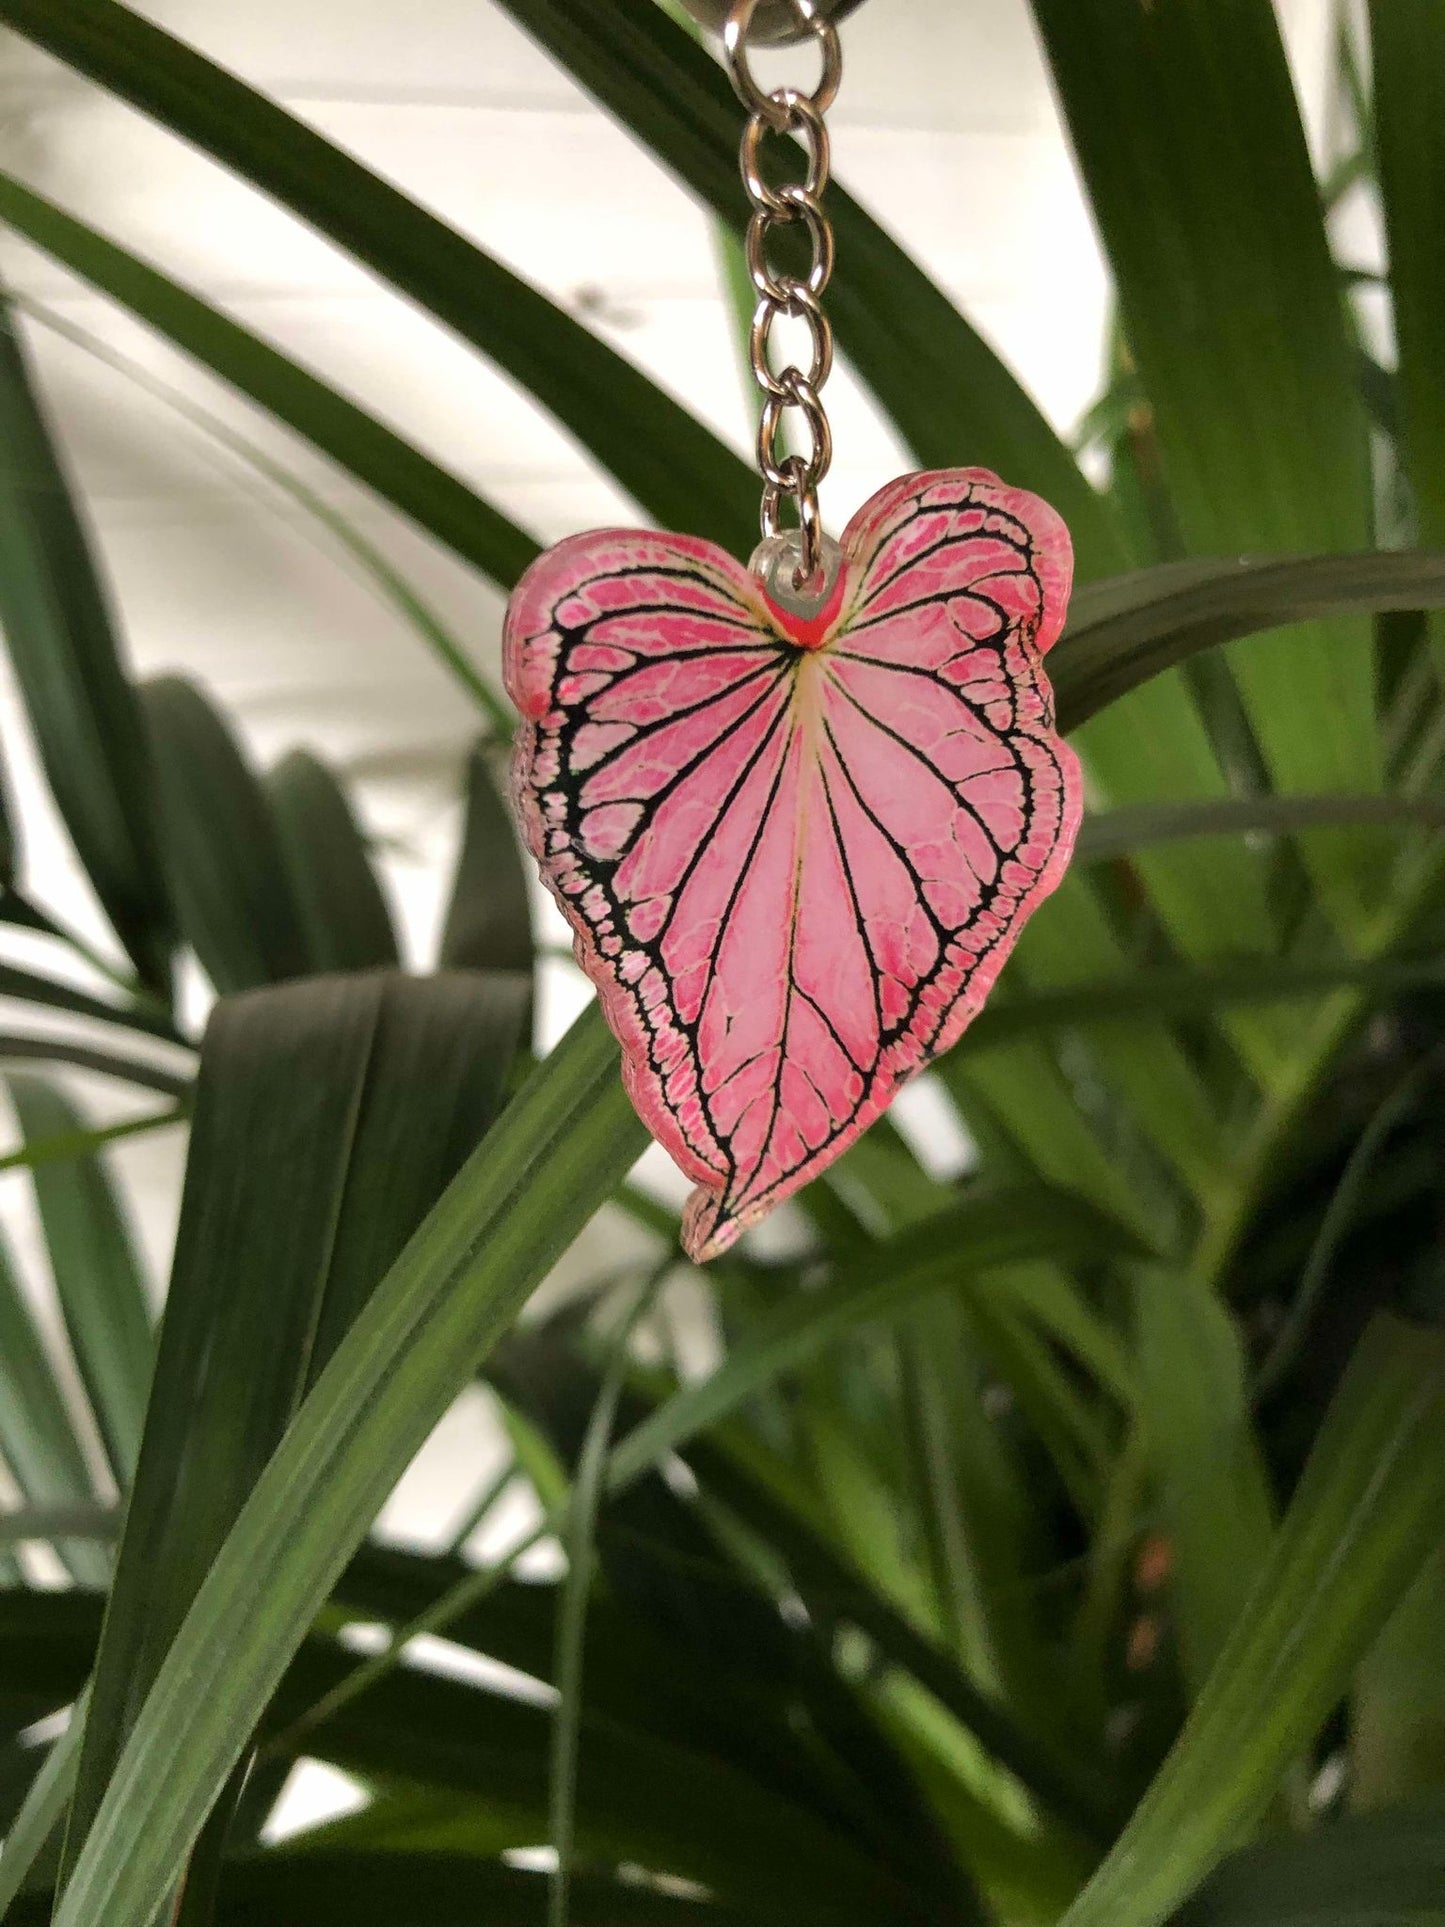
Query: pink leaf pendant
x=795 y=854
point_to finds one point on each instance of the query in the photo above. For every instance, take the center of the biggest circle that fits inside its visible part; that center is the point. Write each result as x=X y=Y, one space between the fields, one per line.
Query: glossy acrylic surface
x=794 y=859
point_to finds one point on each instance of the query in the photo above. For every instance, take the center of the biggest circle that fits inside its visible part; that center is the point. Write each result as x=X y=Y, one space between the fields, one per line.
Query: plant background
x=947 y=130
x=216 y=575
x=999 y=1484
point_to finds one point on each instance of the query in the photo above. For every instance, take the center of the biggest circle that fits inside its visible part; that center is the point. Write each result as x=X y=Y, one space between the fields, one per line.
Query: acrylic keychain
x=796 y=813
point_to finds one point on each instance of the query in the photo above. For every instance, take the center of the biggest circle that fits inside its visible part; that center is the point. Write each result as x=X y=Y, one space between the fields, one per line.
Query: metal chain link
x=790 y=391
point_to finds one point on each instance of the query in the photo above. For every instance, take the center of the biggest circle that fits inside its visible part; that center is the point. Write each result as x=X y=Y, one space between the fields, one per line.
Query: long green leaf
x=97 y=1276
x=1123 y=631
x=1114 y=833
x=545 y=1166
x=93 y=1521
x=1070 y=1424
x=277 y=1103
x=234 y=892
x=308 y=1170
x=1182 y=993
x=67 y=659
x=1345 y=1201
x=460 y=1612
x=1023 y=1093
x=1369 y=1508
x=1138 y=625
x=394 y=468
x=983 y=1520
x=24 y=914
x=143 y=1014
x=1187 y=133
x=677 y=469
x=344 y=917
x=15 y=1049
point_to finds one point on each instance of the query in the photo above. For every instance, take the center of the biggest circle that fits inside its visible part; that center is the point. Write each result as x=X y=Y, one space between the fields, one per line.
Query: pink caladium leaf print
x=794 y=855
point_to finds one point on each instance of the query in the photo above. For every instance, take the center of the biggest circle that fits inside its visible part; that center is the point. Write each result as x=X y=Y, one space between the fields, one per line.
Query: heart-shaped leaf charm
x=795 y=854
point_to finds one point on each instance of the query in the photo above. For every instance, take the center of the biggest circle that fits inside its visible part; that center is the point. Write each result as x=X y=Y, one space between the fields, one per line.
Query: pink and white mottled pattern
x=794 y=857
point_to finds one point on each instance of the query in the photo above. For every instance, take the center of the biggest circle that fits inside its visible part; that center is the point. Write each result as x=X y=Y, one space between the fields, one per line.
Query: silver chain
x=791 y=390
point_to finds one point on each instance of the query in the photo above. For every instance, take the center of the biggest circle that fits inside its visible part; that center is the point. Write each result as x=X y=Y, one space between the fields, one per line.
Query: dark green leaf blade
x=556 y=1152
x=67 y=658
x=643 y=1674
x=144 y=1014
x=1114 y=833
x=17 y=1049
x=454 y=1037
x=309 y=1168
x=488 y=923
x=646 y=1801
x=343 y=913
x=97 y=1276
x=276 y=1109
x=662 y=455
x=1182 y=993
x=1123 y=631
x=233 y=890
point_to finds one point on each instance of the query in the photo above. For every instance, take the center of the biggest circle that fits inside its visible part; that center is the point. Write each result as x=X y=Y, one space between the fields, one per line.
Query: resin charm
x=795 y=850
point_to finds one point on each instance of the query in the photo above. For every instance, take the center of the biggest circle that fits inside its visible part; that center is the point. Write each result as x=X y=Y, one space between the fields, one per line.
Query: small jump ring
x=803 y=395
x=735 y=45
x=795 y=205
x=803 y=306
x=810 y=521
x=801 y=114
x=799 y=394
x=774 y=471
x=794 y=480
